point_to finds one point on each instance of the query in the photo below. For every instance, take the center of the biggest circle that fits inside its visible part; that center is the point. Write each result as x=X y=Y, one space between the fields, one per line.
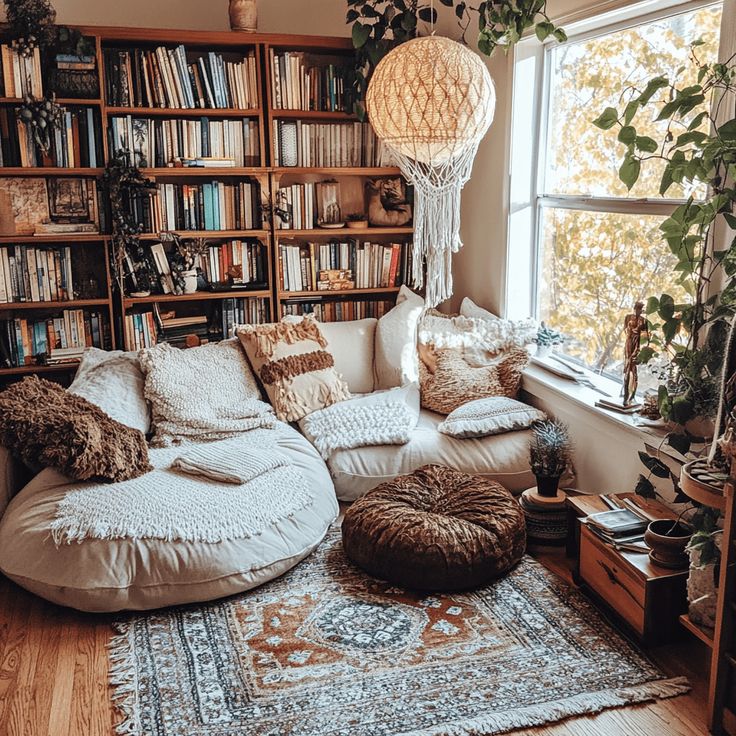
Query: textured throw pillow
x=484 y=417
x=43 y=424
x=352 y=345
x=455 y=382
x=204 y=393
x=380 y=418
x=396 y=359
x=114 y=381
x=291 y=360
x=468 y=308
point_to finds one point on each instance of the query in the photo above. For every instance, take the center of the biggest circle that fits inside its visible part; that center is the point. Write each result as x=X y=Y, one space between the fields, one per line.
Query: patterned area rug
x=328 y=651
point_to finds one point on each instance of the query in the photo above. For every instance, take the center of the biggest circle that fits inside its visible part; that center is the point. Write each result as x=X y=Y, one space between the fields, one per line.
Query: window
x=592 y=247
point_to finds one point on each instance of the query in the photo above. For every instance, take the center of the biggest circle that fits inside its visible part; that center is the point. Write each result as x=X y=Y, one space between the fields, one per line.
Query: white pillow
x=380 y=418
x=203 y=393
x=469 y=308
x=396 y=359
x=352 y=345
x=113 y=380
x=484 y=417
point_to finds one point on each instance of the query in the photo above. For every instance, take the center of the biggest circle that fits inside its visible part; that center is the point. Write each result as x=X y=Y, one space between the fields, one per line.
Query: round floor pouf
x=436 y=529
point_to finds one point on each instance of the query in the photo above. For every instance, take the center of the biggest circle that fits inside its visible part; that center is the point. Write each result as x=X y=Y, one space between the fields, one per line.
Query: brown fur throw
x=447 y=381
x=43 y=424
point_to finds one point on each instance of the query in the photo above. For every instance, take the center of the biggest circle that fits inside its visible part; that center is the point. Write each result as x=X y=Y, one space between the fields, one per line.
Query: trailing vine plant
x=378 y=26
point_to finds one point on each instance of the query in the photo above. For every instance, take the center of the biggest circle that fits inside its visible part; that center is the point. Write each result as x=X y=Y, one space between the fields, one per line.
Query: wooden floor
x=53 y=677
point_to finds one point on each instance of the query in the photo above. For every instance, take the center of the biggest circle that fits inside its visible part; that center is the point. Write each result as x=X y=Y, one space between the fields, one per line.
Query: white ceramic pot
x=243 y=15
x=544 y=351
x=190 y=281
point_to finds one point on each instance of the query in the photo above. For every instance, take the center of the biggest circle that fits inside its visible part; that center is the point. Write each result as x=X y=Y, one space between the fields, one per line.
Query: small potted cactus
x=550 y=454
x=357 y=221
x=546 y=339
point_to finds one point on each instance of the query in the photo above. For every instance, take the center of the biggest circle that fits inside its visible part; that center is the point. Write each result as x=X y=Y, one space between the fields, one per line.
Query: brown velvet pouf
x=436 y=529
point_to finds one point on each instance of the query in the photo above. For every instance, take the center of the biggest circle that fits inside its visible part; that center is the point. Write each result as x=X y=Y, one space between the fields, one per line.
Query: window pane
x=594 y=267
x=588 y=76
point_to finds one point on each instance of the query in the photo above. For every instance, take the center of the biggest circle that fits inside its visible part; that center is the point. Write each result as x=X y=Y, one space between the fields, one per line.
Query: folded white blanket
x=216 y=462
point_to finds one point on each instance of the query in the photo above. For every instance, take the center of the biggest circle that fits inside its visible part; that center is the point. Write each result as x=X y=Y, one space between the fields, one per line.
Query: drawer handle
x=614 y=580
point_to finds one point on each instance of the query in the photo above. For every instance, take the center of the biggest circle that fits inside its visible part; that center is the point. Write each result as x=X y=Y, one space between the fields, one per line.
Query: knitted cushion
x=45 y=425
x=435 y=529
x=449 y=381
x=484 y=417
x=292 y=362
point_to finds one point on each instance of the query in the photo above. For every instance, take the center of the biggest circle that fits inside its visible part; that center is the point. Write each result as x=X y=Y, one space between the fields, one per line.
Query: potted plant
x=668 y=540
x=550 y=454
x=357 y=221
x=546 y=339
x=184 y=260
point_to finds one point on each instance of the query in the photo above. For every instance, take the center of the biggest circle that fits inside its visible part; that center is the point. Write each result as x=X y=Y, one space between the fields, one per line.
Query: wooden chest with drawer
x=648 y=599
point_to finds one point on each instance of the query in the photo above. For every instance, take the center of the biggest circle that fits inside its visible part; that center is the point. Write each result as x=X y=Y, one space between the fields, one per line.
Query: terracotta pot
x=546 y=486
x=667 y=541
x=243 y=15
x=357 y=224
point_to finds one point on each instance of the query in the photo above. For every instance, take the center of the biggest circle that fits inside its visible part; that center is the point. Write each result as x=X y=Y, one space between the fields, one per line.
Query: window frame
x=538 y=199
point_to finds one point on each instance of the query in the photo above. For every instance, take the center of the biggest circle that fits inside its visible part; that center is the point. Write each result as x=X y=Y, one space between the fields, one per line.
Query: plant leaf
x=361 y=34
x=653 y=465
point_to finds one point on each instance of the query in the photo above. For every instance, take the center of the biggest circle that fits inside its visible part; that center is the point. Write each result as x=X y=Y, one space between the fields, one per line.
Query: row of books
x=203 y=142
x=298 y=203
x=365 y=265
x=299 y=84
x=21 y=75
x=208 y=206
x=338 y=311
x=298 y=143
x=172 y=78
x=252 y=311
x=76 y=143
x=52 y=341
x=30 y=274
x=237 y=262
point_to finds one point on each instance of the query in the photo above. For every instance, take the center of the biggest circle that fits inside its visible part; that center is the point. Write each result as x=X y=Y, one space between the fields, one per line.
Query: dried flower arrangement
x=31 y=24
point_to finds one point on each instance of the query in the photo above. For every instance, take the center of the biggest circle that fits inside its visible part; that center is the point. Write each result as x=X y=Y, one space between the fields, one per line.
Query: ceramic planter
x=667 y=540
x=190 y=281
x=547 y=486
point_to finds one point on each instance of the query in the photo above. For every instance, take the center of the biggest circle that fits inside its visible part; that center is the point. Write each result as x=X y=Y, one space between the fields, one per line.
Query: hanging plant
x=122 y=183
x=31 y=24
x=380 y=25
x=42 y=117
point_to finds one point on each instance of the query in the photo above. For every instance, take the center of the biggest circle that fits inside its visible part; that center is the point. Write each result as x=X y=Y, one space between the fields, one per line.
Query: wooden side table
x=648 y=599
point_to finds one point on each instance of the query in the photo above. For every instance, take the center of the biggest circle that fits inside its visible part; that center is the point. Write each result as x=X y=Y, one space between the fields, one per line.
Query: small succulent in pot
x=546 y=339
x=550 y=454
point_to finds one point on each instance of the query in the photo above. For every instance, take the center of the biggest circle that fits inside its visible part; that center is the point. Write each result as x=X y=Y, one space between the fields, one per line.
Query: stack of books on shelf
x=297 y=84
x=197 y=143
x=299 y=203
x=171 y=78
x=211 y=206
x=30 y=274
x=239 y=263
x=621 y=528
x=298 y=143
x=371 y=265
x=140 y=331
x=338 y=311
x=51 y=341
x=253 y=310
x=75 y=144
x=21 y=75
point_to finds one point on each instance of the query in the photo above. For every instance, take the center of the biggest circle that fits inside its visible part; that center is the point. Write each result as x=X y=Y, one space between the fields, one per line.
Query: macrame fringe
x=544 y=713
x=123 y=679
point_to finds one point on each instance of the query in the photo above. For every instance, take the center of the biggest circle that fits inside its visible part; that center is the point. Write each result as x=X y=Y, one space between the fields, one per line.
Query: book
x=617 y=522
x=32 y=274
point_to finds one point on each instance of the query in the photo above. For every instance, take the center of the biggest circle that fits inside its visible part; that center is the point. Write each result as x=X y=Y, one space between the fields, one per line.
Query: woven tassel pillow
x=292 y=363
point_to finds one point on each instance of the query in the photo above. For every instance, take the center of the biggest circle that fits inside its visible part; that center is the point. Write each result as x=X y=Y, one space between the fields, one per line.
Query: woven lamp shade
x=431 y=99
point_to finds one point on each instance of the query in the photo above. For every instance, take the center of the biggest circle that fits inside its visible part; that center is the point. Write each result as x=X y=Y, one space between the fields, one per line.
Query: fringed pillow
x=448 y=381
x=296 y=370
x=485 y=417
x=43 y=424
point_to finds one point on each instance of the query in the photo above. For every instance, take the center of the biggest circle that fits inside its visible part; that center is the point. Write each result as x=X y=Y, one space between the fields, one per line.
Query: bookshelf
x=172 y=124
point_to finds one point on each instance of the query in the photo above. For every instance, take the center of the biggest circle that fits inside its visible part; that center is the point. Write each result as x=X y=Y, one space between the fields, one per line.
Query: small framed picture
x=69 y=200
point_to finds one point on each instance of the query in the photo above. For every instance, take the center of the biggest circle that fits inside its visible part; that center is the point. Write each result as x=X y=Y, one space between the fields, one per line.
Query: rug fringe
x=123 y=680
x=545 y=713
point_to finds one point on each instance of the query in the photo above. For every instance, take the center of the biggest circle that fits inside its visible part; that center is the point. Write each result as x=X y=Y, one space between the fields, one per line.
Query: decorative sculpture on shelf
x=635 y=327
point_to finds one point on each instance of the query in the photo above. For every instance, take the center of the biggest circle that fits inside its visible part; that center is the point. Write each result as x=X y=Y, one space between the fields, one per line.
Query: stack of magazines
x=620 y=527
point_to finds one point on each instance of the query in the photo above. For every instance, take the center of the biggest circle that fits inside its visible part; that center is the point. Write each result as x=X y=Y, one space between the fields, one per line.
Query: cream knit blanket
x=174 y=506
x=219 y=464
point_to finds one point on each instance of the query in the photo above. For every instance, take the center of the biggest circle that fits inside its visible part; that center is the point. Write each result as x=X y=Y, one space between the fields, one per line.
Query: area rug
x=326 y=650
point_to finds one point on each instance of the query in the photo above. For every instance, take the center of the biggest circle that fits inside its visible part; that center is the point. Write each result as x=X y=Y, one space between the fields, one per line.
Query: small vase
x=547 y=486
x=243 y=15
x=543 y=351
x=190 y=281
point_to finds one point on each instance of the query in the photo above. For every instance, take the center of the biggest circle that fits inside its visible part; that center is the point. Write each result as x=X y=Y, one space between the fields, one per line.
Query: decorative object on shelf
x=387 y=202
x=431 y=101
x=31 y=24
x=686 y=340
x=357 y=221
x=650 y=407
x=74 y=71
x=546 y=339
x=550 y=456
x=329 y=213
x=189 y=280
x=243 y=15
x=668 y=540
x=43 y=117
x=378 y=26
x=184 y=260
x=123 y=183
x=635 y=327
